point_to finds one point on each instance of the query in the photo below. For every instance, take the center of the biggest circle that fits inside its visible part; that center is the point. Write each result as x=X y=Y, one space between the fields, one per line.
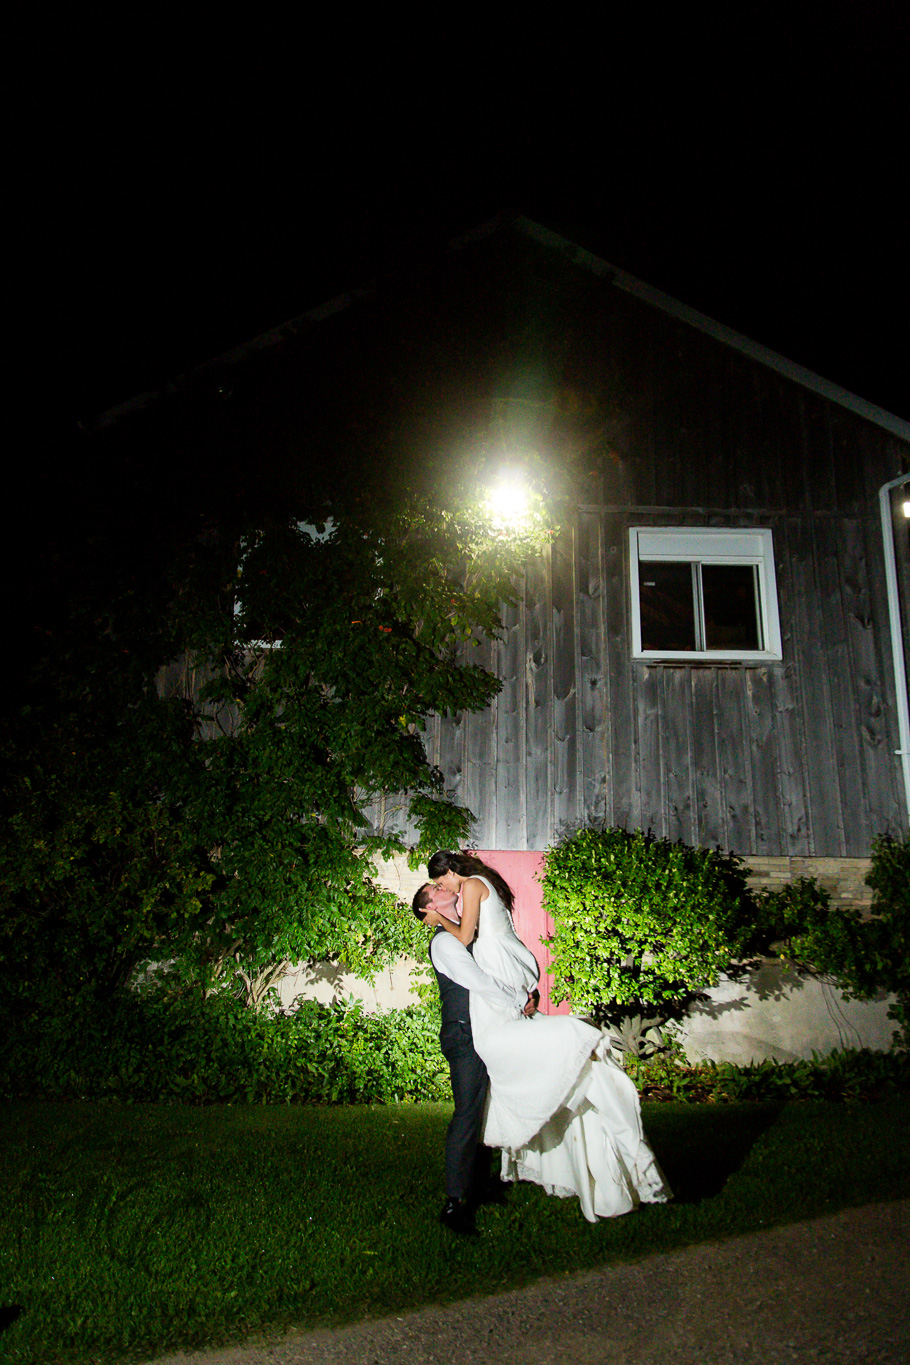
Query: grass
x=126 y=1232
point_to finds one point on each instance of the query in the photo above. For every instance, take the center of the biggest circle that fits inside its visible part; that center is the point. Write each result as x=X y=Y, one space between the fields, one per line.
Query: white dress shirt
x=452 y=958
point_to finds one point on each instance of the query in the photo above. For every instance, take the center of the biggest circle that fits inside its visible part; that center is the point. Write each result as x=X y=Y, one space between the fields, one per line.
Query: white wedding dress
x=565 y=1114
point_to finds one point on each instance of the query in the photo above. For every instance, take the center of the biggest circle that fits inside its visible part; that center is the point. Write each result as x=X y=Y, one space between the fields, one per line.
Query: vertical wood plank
x=510 y=750
x=707 y=798
x=565 y=721
x=450 y=759
x=676 y=729
x=788 y=712
x=538 y=702
x=733 y=751
x=763 y=763
x=651 y=776
x=707 y=428
x=480 y=731
x=887 y=798
x=881 y=809
x=817 y=461
x=791 y=761
x=744 y=415
x=592 y=668
x=848 y=470
x=621 y=806
x=846 y=770
x=806 y=608
x=783 y=486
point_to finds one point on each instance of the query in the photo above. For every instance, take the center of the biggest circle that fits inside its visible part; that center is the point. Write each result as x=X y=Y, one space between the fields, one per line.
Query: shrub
x=785 y=916
x=157 y=1046
x=864 y=955
x=848 y=1075
x=889 y=879
x=642 y=925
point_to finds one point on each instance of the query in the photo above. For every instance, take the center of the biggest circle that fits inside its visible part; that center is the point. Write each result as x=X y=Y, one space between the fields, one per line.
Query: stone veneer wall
x=842 y=878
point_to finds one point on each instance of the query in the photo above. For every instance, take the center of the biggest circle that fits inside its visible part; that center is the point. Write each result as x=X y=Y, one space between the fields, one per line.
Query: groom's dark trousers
x=467 y=1162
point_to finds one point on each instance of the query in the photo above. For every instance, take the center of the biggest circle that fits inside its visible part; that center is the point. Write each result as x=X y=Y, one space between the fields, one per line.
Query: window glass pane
x=667 y=605
x=730 y=596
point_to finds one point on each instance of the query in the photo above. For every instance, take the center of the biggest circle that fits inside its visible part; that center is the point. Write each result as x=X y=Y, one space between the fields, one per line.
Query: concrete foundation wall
x=776 y=1014
x=391 y=989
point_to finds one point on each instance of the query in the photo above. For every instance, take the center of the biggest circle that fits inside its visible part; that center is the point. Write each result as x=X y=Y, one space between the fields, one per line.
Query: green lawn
x=126 y=1232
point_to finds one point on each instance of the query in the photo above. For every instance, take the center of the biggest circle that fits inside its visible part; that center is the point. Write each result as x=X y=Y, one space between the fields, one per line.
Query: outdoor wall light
x=507 y=500
x=906 y=507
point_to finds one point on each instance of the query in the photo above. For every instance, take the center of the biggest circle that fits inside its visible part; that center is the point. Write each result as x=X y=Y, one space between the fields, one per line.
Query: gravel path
x=834 y=1290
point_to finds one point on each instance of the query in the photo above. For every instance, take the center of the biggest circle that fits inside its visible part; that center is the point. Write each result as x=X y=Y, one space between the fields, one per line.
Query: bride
x=565 y=1114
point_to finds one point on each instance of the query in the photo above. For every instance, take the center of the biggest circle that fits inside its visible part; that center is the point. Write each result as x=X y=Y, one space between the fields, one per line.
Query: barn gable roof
x=544 y=236
x=789 y=368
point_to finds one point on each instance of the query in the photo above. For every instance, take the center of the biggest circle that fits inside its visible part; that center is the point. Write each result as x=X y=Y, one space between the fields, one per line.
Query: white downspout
x=897 y=643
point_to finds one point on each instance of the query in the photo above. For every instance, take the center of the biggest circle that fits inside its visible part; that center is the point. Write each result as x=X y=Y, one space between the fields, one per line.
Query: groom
x=467 y=1163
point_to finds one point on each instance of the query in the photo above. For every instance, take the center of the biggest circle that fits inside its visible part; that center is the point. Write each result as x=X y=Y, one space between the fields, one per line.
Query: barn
x=715 y=647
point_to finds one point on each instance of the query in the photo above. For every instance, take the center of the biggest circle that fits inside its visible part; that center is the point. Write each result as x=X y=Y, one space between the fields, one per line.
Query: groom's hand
x=533 y=1001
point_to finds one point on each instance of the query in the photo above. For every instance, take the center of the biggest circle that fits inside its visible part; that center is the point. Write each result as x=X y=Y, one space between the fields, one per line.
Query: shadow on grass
x=9 y=1313
x=705 y=1144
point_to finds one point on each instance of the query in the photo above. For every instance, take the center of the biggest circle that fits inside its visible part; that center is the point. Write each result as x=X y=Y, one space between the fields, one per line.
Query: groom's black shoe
x=458 y=1216
x=494 y=1191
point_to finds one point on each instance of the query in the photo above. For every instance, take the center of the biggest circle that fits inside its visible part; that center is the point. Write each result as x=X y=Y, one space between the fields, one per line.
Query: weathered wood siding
x=648 y=421
x=791 y=759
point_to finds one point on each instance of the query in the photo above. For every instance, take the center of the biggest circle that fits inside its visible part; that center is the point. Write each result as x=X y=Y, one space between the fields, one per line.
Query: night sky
x=183 y=182
x=181 y=179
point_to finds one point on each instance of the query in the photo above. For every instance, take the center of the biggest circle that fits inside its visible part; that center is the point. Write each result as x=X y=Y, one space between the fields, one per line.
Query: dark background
x=187 y=177
x=183 y=178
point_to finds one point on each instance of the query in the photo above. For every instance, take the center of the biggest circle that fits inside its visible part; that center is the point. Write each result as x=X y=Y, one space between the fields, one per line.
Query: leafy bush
x=865 y=955
x=889 y=879
x=784 y=916
x=641 y=926
x=157 y=1046
x=843 y=1075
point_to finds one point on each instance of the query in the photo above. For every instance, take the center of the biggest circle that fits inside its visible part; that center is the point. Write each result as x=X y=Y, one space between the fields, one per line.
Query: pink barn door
x=532 y=925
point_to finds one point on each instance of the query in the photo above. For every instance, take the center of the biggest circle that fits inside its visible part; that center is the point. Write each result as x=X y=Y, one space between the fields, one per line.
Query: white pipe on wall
x=897 y=641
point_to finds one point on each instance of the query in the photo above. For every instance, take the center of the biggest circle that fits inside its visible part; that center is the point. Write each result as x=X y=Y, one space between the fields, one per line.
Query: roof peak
x=587 y=260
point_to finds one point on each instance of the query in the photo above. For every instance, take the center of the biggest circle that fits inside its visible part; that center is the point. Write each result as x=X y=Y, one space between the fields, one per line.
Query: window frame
x=709 y=545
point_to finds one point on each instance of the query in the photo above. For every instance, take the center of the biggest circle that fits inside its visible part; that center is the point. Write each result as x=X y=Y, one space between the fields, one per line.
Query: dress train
x=566 y=1116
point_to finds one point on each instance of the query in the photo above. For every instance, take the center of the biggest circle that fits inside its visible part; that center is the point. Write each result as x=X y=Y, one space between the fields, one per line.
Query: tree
x=221 y=813
x=96 y=867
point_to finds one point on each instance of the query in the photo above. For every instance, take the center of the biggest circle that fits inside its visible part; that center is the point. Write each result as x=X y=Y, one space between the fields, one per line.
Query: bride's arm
x=471 y=893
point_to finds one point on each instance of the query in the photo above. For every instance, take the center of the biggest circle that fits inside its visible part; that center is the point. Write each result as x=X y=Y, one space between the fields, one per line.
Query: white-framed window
x=703 y=594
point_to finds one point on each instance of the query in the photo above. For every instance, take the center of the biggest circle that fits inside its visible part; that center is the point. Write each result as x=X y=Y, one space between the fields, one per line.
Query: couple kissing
x=544 y=1089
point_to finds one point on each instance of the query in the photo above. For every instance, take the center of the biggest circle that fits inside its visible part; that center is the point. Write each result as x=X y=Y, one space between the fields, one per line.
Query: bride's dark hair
x=468 y=865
